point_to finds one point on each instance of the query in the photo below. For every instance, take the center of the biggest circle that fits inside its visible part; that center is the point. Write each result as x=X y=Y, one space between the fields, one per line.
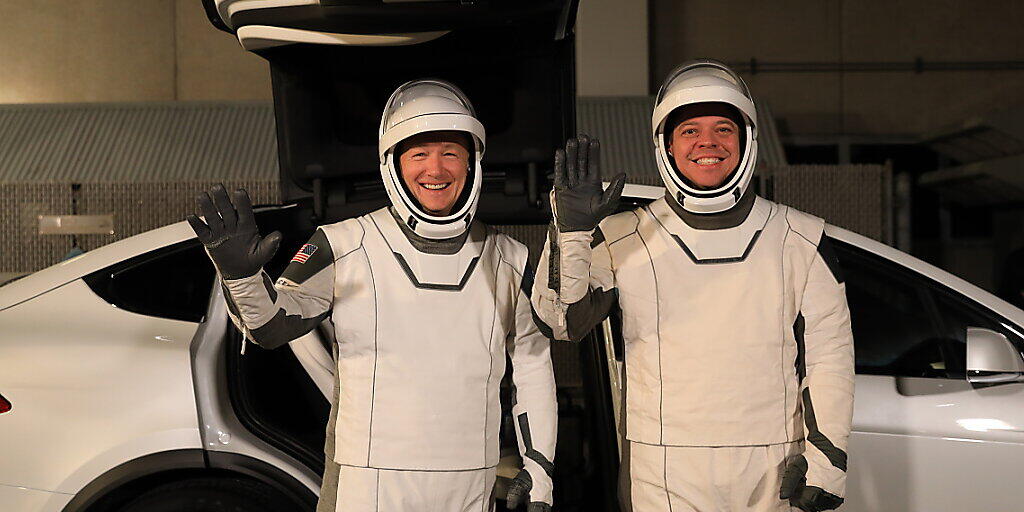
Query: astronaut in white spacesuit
x=739 y=353
x=425 y=303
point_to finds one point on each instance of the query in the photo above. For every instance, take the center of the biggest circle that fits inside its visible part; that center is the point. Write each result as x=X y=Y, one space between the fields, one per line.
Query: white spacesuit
x=424 y=309
x=739 y=355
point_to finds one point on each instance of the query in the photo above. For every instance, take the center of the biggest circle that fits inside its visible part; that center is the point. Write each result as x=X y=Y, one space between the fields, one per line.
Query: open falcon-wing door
x=335 y=62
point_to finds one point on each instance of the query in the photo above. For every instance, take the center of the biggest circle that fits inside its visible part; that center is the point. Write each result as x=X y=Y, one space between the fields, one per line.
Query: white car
x=119 y=391
x=123 y=387
x=127 y=388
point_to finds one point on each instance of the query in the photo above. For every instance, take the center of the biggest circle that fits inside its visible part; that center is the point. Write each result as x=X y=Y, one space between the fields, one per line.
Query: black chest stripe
x=434 y=286
x=712 y=261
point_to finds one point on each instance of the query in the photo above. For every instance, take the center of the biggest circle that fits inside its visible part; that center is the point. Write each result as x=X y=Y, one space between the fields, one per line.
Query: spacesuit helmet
x=417 y=107
x=705 y=81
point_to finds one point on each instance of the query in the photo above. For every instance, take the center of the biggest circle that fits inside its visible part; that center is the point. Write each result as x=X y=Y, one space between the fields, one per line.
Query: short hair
x=464 y=139
x=710 y=108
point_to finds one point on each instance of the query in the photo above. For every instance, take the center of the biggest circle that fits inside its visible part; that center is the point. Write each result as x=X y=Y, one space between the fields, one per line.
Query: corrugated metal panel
x=143 y=163
x=769 y=145
x=146 y=142
x=162 y=142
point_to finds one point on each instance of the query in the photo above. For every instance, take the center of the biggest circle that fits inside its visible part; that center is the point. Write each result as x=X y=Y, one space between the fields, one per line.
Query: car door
x=334 y=64
x=923 y=437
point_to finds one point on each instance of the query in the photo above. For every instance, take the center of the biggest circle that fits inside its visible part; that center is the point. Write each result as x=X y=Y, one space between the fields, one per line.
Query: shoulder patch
x=311 y=258
x=304 y=253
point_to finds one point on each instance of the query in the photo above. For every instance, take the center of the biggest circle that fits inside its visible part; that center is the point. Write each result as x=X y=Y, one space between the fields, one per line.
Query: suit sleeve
x=828 y=362
x=575 y=286
x=534 y=408
x=272 y=314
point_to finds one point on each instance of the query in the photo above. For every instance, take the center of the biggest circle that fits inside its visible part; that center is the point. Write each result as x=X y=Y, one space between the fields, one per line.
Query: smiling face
x=706 y=149
x=434 y=168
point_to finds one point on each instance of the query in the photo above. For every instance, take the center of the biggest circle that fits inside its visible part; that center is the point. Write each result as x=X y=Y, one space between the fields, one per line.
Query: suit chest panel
x=666 y=295
x=383 y=310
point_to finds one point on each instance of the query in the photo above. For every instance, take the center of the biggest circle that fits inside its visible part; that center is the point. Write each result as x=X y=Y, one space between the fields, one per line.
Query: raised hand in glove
x=230 y=233
x=519 y=492
x=579 y=202
x=800 y=495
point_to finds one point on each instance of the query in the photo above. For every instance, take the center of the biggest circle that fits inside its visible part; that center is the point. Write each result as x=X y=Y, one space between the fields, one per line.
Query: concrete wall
x=166 y=50
x=833 y=31
x=60 y=51
x=212 y=64
x=612 y=48
x=63 y=51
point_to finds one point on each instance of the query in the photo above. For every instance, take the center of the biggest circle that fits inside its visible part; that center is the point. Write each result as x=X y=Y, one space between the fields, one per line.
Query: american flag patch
x=304 y=253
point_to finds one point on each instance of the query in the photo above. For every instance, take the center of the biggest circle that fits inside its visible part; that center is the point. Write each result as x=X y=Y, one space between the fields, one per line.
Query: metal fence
x=135 y=207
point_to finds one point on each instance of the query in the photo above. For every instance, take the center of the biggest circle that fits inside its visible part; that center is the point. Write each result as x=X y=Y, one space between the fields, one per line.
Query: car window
x=907 y=325
x=173 y=282
x=894 y=330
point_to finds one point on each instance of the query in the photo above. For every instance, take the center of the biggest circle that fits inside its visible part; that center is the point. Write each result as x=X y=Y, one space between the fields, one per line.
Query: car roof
x=63 y=272
x=984 y=297
x=68 y=270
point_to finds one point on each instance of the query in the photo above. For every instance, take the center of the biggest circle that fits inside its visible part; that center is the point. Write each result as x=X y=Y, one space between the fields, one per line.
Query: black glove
x=519 y=492
x=579 y=202
x=230 y=233
x=800 y=495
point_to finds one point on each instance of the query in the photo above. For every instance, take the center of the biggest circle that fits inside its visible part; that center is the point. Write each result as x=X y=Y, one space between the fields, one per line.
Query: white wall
x=57 y=51
x=832 y=31
x=66 y=51
x=612 y=48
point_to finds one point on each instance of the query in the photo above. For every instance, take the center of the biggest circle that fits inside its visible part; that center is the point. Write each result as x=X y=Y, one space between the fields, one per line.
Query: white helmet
x=703 y=81
x=428 y=106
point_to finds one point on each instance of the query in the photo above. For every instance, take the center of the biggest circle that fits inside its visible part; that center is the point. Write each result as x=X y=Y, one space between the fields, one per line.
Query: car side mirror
x=991 y=358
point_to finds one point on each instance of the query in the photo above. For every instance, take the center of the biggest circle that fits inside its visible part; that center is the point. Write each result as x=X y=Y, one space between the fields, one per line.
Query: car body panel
x=22 y=498
x=83 y=385
x=921 y=444
x=934 y=444
x=221 y=429
x=923 y=474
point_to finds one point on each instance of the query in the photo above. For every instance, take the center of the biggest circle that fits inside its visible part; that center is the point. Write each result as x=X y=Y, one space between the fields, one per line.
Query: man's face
x=706 y=149
x=434 y=167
